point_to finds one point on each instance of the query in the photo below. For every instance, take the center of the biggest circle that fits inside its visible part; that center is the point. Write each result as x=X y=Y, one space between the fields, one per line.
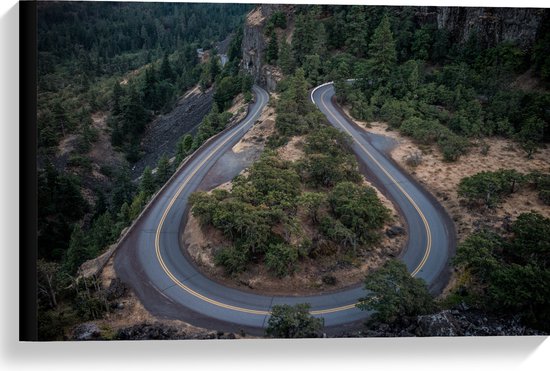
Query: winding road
x=150 y=258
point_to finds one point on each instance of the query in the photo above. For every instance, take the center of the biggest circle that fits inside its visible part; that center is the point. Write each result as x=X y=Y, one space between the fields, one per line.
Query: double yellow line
x=424 y=221
x=253 y=311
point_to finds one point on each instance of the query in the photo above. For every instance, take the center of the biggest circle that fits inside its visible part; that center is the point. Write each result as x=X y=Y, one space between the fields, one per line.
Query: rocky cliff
x=255 y=43
x=491 y=25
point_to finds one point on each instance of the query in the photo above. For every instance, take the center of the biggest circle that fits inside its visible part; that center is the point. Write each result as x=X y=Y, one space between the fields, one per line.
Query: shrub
x=488 y=187
x=293 y=322
x=281 y=259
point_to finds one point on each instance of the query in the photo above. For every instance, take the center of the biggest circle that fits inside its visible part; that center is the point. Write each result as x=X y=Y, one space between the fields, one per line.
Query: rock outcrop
x=255 y=43
x=460 y=321
x=491 y=25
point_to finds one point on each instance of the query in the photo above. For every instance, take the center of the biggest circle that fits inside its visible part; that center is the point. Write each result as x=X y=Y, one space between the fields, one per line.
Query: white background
x=504 y=353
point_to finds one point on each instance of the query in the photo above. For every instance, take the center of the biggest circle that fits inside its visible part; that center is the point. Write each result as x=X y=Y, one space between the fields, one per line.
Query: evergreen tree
x=298 y=93
x=78 y=251
x=163 y=171
x=117 y=99
x=394 y=294
x=134 y=115
x=293 y=322
x=166 y=72
x=147 y=185
x=150 y=96
x=382 y=55
x=286 y=61
x=357 y=32
x=272 y=49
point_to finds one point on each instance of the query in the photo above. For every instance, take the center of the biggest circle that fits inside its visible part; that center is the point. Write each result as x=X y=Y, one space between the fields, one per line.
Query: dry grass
x=293 y=150
x=442 y=178
x=258 y=134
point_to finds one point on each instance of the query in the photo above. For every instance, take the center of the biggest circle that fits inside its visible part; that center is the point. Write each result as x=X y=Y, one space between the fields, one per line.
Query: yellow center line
x=247 y=310
x=425 y=222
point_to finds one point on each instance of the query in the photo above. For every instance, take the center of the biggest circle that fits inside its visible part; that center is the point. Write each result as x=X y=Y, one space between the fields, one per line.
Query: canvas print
x=230 y=171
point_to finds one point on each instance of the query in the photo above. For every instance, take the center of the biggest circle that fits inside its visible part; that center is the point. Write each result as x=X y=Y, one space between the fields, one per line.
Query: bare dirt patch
x=67 y=144
x=260 y=131
x=255 y=17
x=293 y=150
x=442 y=178
x=102 y=152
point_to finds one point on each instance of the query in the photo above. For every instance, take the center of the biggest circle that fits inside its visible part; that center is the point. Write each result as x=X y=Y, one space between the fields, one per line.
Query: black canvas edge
x=28 y=321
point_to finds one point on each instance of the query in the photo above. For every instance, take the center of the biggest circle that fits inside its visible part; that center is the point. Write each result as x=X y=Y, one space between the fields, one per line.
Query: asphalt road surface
x=151 y=260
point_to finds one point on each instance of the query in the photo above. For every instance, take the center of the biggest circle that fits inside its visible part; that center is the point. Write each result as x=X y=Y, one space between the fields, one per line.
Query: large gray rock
x=87 y=331
x=254 y=45
x=492 y=25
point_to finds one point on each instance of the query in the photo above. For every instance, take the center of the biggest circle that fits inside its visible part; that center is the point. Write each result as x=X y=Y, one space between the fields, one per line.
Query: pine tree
x=150 y=96
x=77 y=252
x=117 y=97
x=163 y=171
x=147 y=184
x=166 y=72
x=357 y=40
x=184 y=148
x=134 y=114
x=285 y=58
x=272 y=49
x=299 y=91
x=382 y=55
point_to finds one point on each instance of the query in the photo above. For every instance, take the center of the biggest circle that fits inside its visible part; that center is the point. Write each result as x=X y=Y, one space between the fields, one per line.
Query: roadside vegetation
x=507 y=272
x=264 y=213
x=293 y=322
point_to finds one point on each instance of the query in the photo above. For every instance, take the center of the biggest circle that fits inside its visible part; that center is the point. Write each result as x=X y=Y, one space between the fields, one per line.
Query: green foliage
x=210 y=125
x=531 y=135
x=286 y=62
x=185 y=146
x=392 y=293
x=295 y=113
x=234 y=259
x=147 y=184
x=164 y=170
x=293 y=322
x=358 y=209
x=281 y=259
x=542 y=184
x=272 y=53
x=425 y=131
x=488 y=188
x=327 y=161
x=226 y=90
x=531 y=241
x=60 y=205
x=510 y=275
x=137 y=205
x=382 y=55
x=423 y=40
x=78 y=251
x=395 y=111
x=313 y=203
x=278 y=19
